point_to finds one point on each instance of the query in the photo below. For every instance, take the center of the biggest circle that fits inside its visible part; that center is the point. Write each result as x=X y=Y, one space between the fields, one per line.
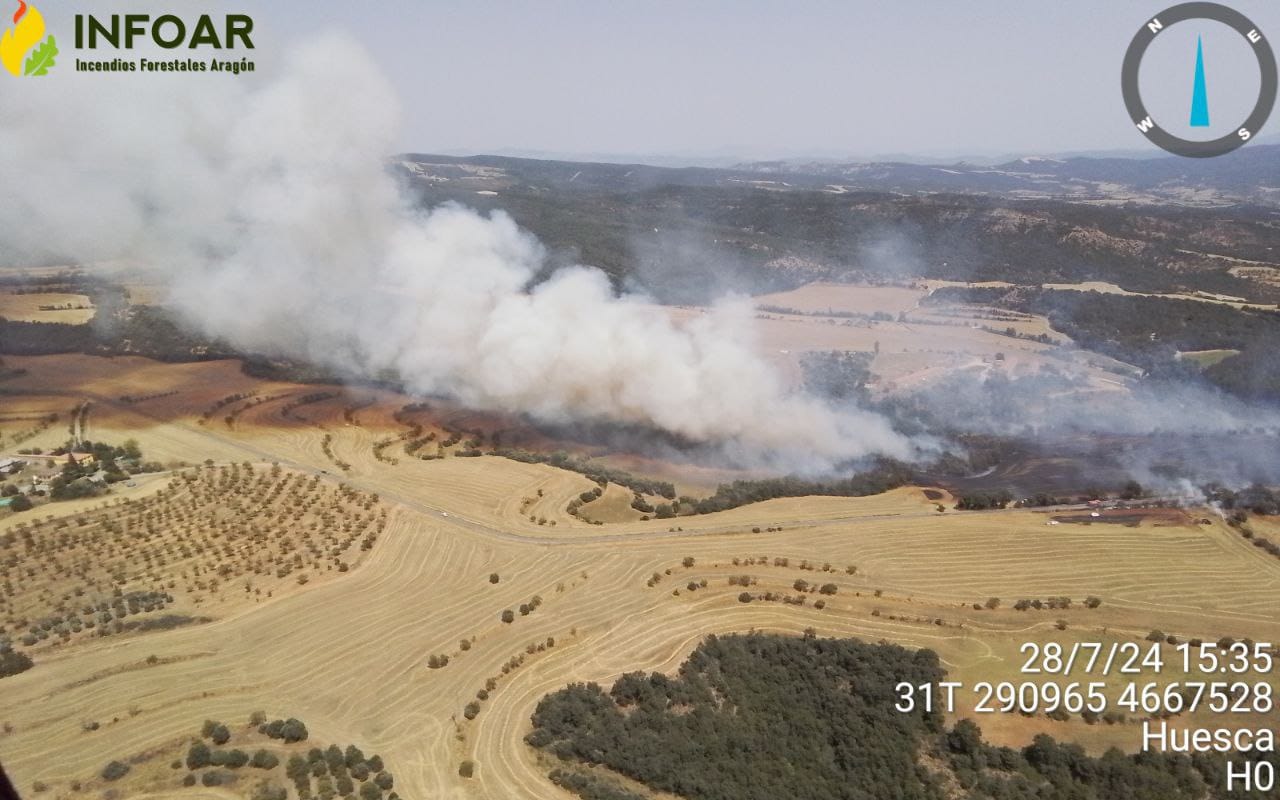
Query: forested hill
x=760 y=717
x=686 y=234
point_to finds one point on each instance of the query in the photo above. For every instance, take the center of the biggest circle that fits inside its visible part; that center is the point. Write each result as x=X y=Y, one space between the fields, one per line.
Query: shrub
x=467 y=768
x=508 y=616
x=829 y=588
x=115 y=771
x=266 y=790
x=12 y=662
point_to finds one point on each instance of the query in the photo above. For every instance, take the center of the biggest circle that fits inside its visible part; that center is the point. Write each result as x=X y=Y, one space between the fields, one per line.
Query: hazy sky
x=748 y=78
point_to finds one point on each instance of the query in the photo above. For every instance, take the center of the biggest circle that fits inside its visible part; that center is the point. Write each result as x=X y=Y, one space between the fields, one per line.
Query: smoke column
x=278 y=228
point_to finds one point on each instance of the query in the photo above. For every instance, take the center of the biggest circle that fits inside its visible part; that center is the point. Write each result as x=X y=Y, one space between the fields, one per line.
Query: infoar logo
x=22 y=50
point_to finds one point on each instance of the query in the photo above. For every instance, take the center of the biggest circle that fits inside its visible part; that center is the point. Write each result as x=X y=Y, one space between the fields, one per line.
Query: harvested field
x=70 y=309
x=350 y=653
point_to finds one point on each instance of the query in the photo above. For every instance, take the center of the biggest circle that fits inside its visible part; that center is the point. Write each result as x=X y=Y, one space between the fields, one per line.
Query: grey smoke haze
x=280 y=230
x=1168 y=435
x=272 y=217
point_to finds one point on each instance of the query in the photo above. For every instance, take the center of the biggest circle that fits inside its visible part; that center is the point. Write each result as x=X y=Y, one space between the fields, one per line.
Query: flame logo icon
x=23 y=38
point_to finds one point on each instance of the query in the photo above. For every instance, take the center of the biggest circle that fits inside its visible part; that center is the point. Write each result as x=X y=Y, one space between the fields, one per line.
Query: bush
x=493 y=577
x=384 y=780
x=115 y=771
x=266 y=790
x=508 y=616
x=12 y=662
x=467 y=768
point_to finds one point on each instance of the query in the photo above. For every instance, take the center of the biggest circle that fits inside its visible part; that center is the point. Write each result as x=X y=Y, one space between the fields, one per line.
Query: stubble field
x=348 y=652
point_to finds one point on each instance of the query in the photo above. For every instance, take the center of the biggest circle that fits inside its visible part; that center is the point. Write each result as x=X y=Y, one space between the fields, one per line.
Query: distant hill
x=686 y=234
x=1250 y=174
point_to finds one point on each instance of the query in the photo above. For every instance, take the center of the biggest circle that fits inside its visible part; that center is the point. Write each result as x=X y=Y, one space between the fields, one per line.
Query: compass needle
x=1199 y=97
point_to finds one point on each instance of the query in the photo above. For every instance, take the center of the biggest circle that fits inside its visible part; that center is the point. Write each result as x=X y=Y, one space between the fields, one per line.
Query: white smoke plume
x=267 y=205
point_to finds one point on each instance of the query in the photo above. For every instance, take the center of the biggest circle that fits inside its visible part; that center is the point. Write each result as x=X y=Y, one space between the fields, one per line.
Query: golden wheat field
x=299 y=478
x=71 y=309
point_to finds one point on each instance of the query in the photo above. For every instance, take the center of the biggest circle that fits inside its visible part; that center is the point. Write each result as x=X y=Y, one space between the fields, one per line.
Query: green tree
x=198 y=755
x=263 y=759
x=293 y=731
x=353 y=756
